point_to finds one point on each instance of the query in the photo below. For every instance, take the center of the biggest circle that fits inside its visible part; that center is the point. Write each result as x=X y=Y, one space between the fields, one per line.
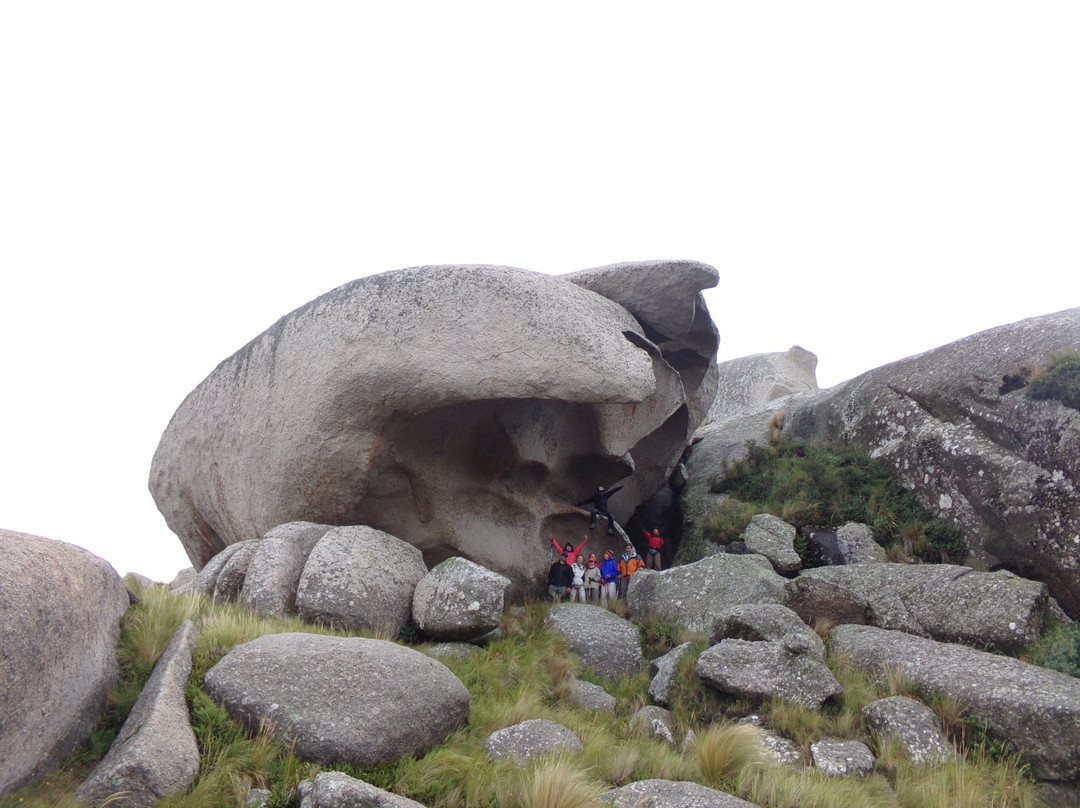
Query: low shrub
x=1059 y=382
x=821 y=486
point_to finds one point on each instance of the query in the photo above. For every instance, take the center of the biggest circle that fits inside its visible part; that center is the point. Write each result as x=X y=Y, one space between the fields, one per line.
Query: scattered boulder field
x=385 y=461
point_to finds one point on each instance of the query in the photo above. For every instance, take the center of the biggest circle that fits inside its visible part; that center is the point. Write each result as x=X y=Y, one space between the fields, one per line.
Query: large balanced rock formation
x=972 y=447
x=60 y=610
x=457 y=407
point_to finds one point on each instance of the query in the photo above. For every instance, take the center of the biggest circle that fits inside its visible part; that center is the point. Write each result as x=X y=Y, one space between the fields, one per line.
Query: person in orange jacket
x=629 y=564
x=652 y=557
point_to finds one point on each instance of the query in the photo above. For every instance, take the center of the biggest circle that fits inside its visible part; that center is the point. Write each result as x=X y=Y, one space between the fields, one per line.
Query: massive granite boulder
x=60 y=610
x=341 y=699
x=606 y=644
x=458 y=407
x=958 y=429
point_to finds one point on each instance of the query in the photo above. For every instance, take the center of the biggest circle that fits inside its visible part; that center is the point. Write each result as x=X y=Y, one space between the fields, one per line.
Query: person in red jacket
x=569 y=550
x=652 y=558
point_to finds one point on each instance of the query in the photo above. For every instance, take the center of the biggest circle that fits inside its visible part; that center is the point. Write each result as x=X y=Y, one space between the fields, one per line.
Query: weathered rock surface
x=155 y=754
x=946 y=602
x=343 y=699
x=762 y=670
x=230 y=580
x=1036 y=709
x=60 y=610
x=815 y=600
x=531 y=739
x=838 y=758
x=397 y=402
x=606 y=644
x=750 y=382
x=358 y=577
x=338 y=790
x=773 y=538
x=274 y=572
x=763 y=622
x=665 y=671
x=694 y=595
x=592 y=697
x=206 y=582
x=672 y=794
x=184 y=581
x=913 y=724
x=459 y=600
x=857 y=546
x=451 y=650
x=973 y=449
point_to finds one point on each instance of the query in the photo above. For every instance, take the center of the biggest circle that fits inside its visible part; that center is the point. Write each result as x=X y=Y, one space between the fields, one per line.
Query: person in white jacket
x=577 y=589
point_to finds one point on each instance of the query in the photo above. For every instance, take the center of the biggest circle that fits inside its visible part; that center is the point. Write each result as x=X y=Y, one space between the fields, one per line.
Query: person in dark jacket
x=599 y=501
x=560 y=579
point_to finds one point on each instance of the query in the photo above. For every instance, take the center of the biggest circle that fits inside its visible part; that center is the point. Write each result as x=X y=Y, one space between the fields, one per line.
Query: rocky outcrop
x=320 y=692
x=155 y=754
x=655 y=722
x=672 y=794
x=275 y=569
x=914 y=725
x=748 y=383
x=763 y=670
x=764 y=622
x=694 y=595
x=838 y=758
x=60 y=610
x=605 y=643
x=591 y=697
x=772 y=537
x=397 y=401
x=458 y=600
x=856 y=544
x=665 y=670
x=360 y=578
x=962 y=436
x=338 y=790
x=531 y=739
x=945 y=602
x=1035 y=709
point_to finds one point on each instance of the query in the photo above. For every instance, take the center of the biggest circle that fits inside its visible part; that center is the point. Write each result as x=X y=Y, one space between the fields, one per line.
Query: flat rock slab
x=155 y=754
x=915 y=725
x=672 y=794
x=343 y=699
x=946 y=602
x=842 y=758
x=762 y=670
x=60 y=610
x=764 y=622
x=665 y=671
x=1035 y=709
x=338 y=790
x=458 y=600
x=606 y=644
x=694 y=595
x=531 y=739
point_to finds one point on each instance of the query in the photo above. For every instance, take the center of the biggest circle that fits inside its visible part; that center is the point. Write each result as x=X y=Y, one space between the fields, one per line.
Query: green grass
x=827 y=487
x=1058 y=648
x=1059 y=382
x=526 y=674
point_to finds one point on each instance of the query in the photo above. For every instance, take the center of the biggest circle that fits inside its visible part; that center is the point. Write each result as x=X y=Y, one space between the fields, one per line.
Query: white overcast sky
x=871 y=180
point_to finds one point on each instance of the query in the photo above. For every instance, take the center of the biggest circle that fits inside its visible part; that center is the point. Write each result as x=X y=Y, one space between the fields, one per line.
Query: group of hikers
x=590 y=581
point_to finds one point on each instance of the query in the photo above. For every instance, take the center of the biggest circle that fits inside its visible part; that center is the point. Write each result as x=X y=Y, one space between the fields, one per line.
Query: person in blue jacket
x=609 y=575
